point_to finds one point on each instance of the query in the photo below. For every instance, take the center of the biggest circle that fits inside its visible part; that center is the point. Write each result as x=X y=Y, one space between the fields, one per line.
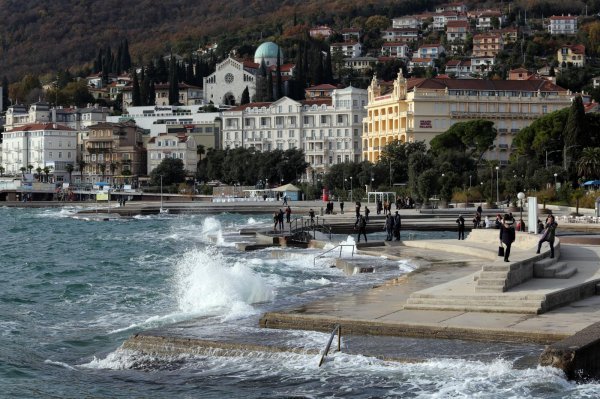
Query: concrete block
x=568 y=272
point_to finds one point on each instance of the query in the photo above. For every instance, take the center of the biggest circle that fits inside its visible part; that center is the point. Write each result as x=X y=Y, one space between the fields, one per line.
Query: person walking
x=275 y=220
x=389 y=227
x=367 y=212
x=461 y=227
x=311 y=213
x=397 y=225
x=548 y=235
x=288 y=214
x=285 y=200
x=507 y=235
x=342 y=207
x=280 y=219
x=361 y=223
x=357 y=210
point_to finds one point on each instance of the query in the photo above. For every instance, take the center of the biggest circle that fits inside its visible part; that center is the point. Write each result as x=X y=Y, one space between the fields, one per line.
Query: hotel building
x=419 y=109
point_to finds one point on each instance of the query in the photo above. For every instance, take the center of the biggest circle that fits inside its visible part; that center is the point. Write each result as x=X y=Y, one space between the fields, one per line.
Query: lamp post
x=521 y=197
x=470 y=181
x=555 y=175
x=497 y=190
x=351 y=197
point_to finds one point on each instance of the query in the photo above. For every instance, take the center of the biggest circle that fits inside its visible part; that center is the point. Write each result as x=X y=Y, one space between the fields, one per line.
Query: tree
x=278 y=82
x=39 y=173
x=5 y=89
x=245 y=96
x=81 y=164
x=69 y=168
x=173 y=83
x=113 y=167
x=2 y=170
x=575 y=129
x=171 y=170
x=472 y=137
x=136 y=99
x=588 y=164
x=29 y=168
x=23 y=169
x=102 y=168
x=47 y=173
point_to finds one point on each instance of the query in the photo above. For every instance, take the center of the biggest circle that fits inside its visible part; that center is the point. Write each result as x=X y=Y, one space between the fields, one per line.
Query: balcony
x=503 y=147
x=514 y=131
x=502 y=131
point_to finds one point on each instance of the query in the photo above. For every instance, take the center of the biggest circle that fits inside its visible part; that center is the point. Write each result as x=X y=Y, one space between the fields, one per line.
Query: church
x=226 y=85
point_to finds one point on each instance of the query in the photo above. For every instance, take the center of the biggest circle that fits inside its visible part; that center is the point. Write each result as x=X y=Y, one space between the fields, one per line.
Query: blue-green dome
x=268 y=52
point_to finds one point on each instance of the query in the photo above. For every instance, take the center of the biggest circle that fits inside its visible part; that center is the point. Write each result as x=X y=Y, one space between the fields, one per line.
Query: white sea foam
x=320 y=281
x=206 y=284
x=406 y=266
x=60 y=364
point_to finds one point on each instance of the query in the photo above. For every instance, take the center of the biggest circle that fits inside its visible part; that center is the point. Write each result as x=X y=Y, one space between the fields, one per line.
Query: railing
x=341 y=246
x=337 y=329
x=308 y=225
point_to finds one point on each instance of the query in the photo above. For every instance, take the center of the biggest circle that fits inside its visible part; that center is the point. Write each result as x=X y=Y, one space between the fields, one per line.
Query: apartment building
x=571 y=55
x=456 y=35
x=400 y=35
x=418 y=109
x=410 y=21
x=485 y=19
x=395 y=50
x=173 y=145
x=327 y=129
x=487 y=44
x=348 y=49
x=562 y=25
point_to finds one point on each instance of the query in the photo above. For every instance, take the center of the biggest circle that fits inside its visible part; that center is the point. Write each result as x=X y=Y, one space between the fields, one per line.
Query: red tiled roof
x=322 y=87
x=351 y=30
x=422 y=60
x=317 y=101
x=532 y=85
x=577 y=48
x=562 y=17
x=41 y=126
x=457 y=24
x=430 y=45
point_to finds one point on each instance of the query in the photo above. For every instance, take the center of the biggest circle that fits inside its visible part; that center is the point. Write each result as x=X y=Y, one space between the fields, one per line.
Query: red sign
x=425 y=125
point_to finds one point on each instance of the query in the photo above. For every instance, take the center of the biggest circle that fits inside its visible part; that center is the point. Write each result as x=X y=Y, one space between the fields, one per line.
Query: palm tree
x=113 y=167
x=200 y=150
x=47 y=172
x=81 y=164
x=2 y=170
x=29 y=168
x=589 y=163
x=23 y=170
x=102 y=170
x=39 y=172
x=69 y=168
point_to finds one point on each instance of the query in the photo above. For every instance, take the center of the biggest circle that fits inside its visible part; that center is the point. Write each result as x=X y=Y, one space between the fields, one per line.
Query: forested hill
x=42 y=36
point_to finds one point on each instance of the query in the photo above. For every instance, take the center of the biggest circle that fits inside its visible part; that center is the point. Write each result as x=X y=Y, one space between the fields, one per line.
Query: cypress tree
x=279 y=83
x=117 y=61
x=575 y=129
x=135 y=91
x=173 y=83
x=245 y=96
x=125 y=56
x=4 y=93
x=162 y=74
x=269 y=86
x=261 y=83
x=151 y=93
x=328 y=69
x=144 y=89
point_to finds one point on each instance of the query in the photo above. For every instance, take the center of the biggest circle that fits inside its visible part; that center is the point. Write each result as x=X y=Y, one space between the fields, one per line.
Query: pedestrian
x=275 y=220
x=475 y=221
x=357 y=209
x=548 y=235
x=280 y=219
x=397 y=225
x=361 y=223
x=507 y=235
x=461 y=227
x=498 y=221
x=285 y=200
x=389 y=227
x=367 y=211
x=311 y=213
x=288 y=214
x=342 y=207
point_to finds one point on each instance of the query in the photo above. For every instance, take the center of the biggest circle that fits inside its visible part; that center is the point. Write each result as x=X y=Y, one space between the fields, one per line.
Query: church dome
x=268 y=52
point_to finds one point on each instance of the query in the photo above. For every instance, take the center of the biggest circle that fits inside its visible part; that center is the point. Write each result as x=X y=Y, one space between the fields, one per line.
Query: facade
x=456 y=35
x=188 y=95
x=327 y=129
x=418 y=109
x=459 y=68
x=351 y=34
x=156 y=119
x=395 y=50
x=562 y=25
x=348 y=49
x=486 y=18
x=441 y=19
x=113 y=149
x=416 y=62
x=487 y=44
x=519 y=74
x=322 y=32
x=39 y=145
x=320 y=91
x=456 y=7
x=430 y=51
x=74 y=118
x=596 y=82
x=482 y=65
x=573 y=55
x=400 y=35
x=360 y=63
x=227 y=83
x=173 y=145
x=410 y=22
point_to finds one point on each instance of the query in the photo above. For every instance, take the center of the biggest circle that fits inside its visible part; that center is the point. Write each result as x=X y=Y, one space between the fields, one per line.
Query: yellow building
x=418 y=109
x=571 y=55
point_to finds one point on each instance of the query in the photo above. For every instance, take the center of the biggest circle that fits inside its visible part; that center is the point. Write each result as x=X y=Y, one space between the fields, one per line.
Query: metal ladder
x=340 y=246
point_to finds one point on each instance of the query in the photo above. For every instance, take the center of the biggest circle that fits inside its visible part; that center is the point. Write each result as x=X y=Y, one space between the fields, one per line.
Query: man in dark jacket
x=507 y=235
x=361 y=223
x=397 y=226
x=461 y=227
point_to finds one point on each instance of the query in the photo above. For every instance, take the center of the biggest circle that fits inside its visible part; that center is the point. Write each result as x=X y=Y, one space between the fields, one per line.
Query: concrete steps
x=551 y=268
x=493 y=303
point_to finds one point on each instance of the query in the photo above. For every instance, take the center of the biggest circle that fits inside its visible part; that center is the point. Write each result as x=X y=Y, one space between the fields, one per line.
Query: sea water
x=72 y=291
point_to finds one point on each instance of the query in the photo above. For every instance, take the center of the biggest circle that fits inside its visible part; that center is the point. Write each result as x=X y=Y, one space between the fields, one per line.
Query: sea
x=72 y=291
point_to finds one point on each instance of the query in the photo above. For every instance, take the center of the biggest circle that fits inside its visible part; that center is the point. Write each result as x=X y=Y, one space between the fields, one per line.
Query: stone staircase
x=494 y=303
x=552 y=268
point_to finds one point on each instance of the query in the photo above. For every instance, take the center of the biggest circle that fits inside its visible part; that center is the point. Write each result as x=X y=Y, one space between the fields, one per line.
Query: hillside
x=40 y=36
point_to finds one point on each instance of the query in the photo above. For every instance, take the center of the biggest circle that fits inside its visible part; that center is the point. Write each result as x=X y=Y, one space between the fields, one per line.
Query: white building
x=596 y=82
x=39 y=145
x=562 y=25
x=430 y=51
x=486 y=18
x=440 y=20
x=348 y=49
x=396 y=50
x=178 y=146
x=402 y=35
x=406 y=22
x=156 y=118
x=360 y=63
x=327 y=129
x=74 y=118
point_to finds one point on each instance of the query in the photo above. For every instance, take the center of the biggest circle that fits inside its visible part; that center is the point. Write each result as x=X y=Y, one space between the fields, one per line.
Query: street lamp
x=555 y=175
x=497 y=190
x=470 y=181
x=521 y=197
x=351 y=197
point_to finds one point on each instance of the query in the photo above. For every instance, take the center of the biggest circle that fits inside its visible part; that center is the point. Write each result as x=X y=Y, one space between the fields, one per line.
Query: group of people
x=357 y=208
x=278 y=218
x=392 y=226
x=329 y=207
x=384 y=206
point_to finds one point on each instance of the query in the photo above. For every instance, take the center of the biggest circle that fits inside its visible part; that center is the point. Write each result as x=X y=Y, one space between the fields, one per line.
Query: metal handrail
x=341 y=246
x=338 y=329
